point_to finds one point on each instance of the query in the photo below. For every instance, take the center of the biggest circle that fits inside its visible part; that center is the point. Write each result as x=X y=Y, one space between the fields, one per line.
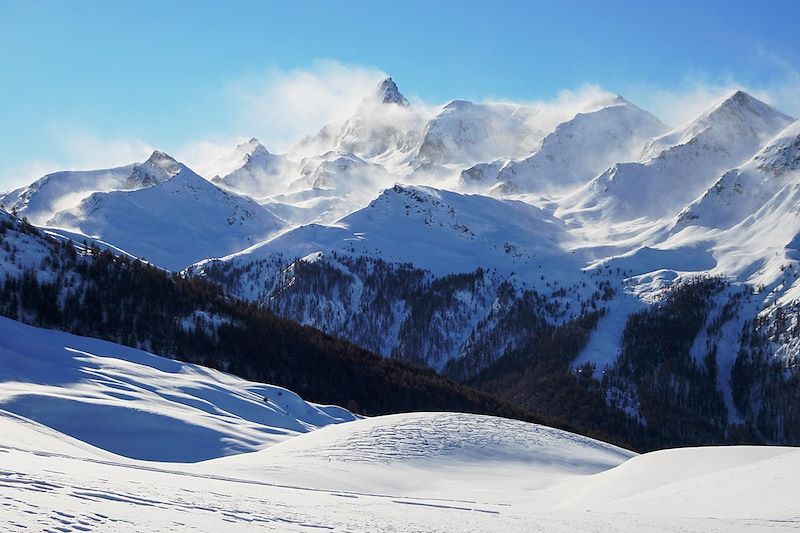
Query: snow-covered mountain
x=61 y=190
x=463 y=132
x=743 y=226
x=173 y=223
x=373 y=275
x=590 y=232
x=251 y=169
x=569 y=156
x=408 y=224
x=385 y=127
x=678 y=166
x=52 y=193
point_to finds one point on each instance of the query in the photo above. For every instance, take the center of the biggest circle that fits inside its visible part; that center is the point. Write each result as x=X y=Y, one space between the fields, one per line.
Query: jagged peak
x=620 y=100
x=388 y=93
x=160 y=158
x=158 y=168
x=251 y=146
x=419 y=192
x=735 y=118
x=737 y=104
x=739 y=97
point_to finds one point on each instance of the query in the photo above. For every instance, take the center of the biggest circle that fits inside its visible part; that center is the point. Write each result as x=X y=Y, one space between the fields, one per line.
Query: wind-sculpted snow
x=139 y=405
x=459 y=477
x=418 y=438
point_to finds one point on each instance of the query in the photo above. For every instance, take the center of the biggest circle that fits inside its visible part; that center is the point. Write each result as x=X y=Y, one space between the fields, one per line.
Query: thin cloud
x=24 y=174
x=281 y=107
x=88 y=150
x=81 y=150
x=697 y=91
x=679 y=104
x=200 y=154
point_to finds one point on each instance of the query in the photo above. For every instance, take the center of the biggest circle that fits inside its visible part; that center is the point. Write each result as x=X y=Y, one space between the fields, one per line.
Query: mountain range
x=588 y=264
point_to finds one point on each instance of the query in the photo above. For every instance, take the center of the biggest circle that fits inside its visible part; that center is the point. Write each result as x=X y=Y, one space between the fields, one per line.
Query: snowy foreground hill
x=78 y=415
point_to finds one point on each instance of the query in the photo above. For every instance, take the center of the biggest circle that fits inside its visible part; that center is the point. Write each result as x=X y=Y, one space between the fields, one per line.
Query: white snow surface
x=410 y=472
x=95 y=436
x=569 y=156
x=679 y=165
x=173 y=223
x=250 y=169
x=410 y=224
x=61 y=190
x=132 y=403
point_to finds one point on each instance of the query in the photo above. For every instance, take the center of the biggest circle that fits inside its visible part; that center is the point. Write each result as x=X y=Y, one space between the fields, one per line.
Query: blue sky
x=87 y=84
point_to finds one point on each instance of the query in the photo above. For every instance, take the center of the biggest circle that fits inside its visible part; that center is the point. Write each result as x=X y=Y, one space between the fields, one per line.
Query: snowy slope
x=476 y=474
x=741 y=192
x=61 y=190
x=433 y=229
x=139 y=405
x=464 y=132
x=55 y=192
x=251 y=169
x=173 y=223
x=495 y=452
x=746 y=483
x=577 y=150
x=321 y=205
x=744 y=226
x=678 y=166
